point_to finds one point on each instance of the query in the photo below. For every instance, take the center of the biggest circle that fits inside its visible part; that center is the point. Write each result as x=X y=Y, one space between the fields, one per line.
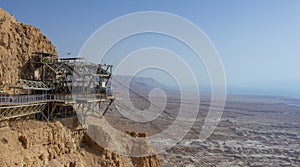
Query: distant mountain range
x=140 y=84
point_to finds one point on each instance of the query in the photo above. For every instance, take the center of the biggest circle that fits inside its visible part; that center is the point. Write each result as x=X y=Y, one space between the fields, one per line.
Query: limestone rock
x=37 y=143
x=17 y=42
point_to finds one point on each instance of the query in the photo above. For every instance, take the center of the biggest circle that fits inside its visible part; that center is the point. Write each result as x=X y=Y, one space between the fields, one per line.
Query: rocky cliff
x=35 y=143
x=17 y=42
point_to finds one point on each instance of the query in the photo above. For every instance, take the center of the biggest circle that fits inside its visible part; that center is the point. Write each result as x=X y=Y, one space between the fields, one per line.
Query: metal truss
x=33 y=85
x=8 y=112
x=95 y=109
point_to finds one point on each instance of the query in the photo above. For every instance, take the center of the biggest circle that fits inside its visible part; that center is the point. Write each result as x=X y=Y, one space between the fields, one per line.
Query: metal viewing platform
x=55 y=88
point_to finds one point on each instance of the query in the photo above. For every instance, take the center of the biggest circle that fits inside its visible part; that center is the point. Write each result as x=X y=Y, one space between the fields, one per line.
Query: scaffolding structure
x=56 y=88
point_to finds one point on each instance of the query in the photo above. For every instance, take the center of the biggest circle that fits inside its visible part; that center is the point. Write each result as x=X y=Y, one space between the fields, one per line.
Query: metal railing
x=21 y=99
x=15 y=99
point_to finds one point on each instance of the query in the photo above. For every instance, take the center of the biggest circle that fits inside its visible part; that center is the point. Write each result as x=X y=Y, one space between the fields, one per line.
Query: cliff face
x=36 y=143
x=17 y=42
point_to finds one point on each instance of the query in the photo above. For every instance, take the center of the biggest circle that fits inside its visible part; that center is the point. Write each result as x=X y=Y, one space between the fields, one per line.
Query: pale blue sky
x=257 y=40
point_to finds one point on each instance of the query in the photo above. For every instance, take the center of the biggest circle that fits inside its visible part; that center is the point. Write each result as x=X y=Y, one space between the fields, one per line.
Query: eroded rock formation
x=36 y=143
x=17 y=42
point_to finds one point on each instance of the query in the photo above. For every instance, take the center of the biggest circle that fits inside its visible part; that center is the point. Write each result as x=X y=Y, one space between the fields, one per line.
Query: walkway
x=12 y=106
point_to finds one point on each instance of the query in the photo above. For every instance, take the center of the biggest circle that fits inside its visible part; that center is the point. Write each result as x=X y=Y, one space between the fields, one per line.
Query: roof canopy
x=71 y=58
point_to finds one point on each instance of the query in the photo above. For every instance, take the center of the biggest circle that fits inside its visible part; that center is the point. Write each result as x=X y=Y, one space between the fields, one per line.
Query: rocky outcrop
x=17 y=42
x=36 y=143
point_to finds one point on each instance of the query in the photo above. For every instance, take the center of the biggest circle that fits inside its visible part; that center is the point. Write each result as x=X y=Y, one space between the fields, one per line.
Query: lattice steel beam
x=33 y=85
x=8 y=112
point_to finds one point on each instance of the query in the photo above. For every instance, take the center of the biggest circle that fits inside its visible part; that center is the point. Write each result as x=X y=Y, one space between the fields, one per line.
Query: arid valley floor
x=253 y=131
